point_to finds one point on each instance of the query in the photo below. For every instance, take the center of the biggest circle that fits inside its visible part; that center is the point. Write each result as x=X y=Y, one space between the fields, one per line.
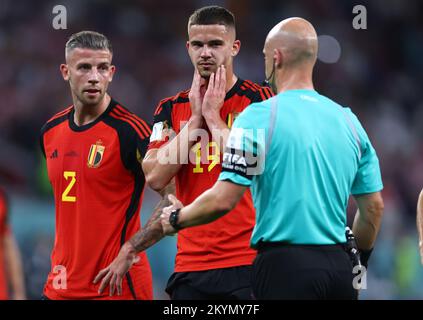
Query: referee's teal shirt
x=302 y=155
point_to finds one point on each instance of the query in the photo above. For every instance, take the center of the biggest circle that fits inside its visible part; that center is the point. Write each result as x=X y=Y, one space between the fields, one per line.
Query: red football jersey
x=98 y=185
x=223 y=243
x=4 y=229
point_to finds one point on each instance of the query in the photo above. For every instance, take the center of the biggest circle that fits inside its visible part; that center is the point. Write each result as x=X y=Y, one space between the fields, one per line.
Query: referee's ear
x=64 y=69
x=278 y=58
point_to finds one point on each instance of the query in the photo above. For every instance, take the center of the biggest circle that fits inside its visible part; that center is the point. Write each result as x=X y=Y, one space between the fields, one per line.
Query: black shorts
x=302 y=272
x=217 y=284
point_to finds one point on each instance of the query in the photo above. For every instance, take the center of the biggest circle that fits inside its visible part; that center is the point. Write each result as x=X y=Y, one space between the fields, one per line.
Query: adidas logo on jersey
x=54 y=154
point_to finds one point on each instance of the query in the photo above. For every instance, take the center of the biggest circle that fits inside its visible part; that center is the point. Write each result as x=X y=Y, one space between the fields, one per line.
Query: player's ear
x=236 y=46
x=112 y=72
x=187 y=45
x=64 y=70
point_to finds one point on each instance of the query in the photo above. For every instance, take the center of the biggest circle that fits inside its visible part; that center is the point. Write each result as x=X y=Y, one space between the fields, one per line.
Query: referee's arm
x=367 y=221
x=211 y=205
x=420 y=223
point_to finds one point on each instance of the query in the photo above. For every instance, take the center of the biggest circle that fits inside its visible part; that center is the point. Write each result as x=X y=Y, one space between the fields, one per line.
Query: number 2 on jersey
x=65 y=195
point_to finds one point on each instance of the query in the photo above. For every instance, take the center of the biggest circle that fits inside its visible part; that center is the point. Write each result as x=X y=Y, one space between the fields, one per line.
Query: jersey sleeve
x=134 y=138
x=162 y=126
x=368 y=178
x=262 y=94
x=134 y=146
x=244 y=153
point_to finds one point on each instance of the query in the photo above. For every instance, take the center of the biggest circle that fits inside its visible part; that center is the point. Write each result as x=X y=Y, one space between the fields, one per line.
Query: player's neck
x=85 y=114
x=294 y=81
x=231 y=80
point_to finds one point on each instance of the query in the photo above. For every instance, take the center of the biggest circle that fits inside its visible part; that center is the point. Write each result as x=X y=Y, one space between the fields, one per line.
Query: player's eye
x=215 y=44
x=196 y=45
x=84 y=67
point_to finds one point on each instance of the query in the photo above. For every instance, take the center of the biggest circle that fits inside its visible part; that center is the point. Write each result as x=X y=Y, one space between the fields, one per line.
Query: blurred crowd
x=378 y=75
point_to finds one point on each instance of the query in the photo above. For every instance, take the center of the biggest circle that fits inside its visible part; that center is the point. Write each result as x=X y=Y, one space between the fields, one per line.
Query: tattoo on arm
x=152 y=232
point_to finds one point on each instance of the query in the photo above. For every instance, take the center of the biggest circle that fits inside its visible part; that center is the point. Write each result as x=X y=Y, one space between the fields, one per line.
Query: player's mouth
x=206 y=64
x=92 y=92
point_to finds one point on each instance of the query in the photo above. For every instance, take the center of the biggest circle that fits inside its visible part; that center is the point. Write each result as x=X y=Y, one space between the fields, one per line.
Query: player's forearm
x=177 y=150
x=14 y=267
x=162 y=165
x=152 y=232
x=208 y=207
x=218 y=128
x=367 y=223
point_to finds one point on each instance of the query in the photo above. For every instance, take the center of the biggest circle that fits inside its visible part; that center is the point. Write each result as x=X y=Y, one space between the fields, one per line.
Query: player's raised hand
x=176 y=204
x=195 y=96
x=216 y=92
x=114 y=273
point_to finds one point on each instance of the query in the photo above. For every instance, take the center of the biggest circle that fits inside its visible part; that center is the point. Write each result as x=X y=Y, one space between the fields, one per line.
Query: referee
x=302 y=155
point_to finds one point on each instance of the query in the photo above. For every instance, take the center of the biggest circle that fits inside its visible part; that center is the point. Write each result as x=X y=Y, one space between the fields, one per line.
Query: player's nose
x=205 y=51
x=94 y=76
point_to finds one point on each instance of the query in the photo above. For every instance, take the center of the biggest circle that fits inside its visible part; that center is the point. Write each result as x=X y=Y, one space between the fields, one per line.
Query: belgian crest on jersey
x=96 y=154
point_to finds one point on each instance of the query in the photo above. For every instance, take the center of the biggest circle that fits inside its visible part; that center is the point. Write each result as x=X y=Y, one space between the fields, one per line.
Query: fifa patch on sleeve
x=245 y=164
x=244 y=154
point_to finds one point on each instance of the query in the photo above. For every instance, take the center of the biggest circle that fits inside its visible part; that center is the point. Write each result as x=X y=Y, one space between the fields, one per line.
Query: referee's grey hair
x=88 y=40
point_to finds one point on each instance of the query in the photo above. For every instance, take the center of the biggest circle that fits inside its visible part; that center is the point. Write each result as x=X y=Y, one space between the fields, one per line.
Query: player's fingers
x=198 y=81
x=222 y=84
x=119 y=285
x=104 y=282
x=167 y=210
x=217 y=78
x=196 y=77
x=112 y=284
x=164 y=218
x=100 y=275
x=211 y=82
x=173 y=200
